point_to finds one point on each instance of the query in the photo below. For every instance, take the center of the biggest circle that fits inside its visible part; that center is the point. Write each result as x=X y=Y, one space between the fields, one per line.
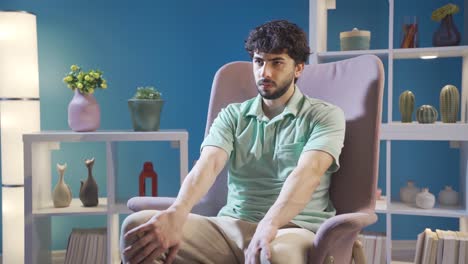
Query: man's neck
x=272 y=108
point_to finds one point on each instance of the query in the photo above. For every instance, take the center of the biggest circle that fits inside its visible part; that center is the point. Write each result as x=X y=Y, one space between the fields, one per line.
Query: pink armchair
x=355 y=85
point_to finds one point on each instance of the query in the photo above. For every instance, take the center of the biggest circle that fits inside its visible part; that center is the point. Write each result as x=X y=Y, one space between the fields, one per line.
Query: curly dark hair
x=279 y=36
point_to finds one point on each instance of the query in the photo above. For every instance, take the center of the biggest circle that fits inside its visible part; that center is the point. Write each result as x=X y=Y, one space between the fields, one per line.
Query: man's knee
x=136 y=219
x=291 y=246
x=286 y=254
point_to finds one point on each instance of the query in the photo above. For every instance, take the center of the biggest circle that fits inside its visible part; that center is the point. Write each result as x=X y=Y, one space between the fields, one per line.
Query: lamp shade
x=19 y=76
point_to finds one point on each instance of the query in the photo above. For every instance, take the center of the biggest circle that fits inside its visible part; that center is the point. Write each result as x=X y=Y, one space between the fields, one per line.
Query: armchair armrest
x=140 y=203
x=336 y=236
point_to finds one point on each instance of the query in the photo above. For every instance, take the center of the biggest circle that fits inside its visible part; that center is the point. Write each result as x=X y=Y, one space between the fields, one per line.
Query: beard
x=280 y=90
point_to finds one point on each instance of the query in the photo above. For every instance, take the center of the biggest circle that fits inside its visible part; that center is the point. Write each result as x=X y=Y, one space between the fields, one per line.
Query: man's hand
x=260 y=243
x=162 y=233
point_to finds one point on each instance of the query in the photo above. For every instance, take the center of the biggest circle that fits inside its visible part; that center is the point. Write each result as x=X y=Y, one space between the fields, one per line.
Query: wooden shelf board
x=440 y=52
x=397 y=207
x=336 y=55
x=415 y=131
x=413 y=53
x=75 y=208
x=104 y=135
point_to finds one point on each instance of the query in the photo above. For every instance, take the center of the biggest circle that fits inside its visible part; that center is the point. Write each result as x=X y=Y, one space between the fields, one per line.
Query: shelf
x=397 y=207
x=415 y=131
x=39 y=207
x=405 y=209
x=413 y=53
x=440 y=52
x=456 y=134
x=340 y=55
x=106 y=135
x=75 y=208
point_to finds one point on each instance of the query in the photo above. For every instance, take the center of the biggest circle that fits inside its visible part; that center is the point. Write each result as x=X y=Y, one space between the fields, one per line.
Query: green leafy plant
x=147 y=93
x=85 y=82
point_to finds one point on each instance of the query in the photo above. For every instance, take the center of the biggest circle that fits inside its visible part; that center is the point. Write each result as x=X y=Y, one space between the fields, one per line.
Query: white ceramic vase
x=408 y=193
x=62 y=194
x=448 y=196
x=425 y=199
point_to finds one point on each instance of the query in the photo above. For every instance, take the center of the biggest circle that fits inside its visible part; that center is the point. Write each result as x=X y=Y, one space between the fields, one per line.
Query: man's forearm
x=294 y=196
x=200 y=179
x=298 y=188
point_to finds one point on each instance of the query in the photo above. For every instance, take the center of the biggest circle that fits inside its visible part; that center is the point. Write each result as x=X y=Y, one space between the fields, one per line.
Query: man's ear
x=299 y=69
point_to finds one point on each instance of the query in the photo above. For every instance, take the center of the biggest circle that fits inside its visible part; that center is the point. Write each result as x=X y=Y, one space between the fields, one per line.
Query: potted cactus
x=145 y=109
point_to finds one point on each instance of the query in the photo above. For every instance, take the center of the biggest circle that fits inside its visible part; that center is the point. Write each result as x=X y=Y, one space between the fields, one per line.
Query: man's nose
x=266 y=70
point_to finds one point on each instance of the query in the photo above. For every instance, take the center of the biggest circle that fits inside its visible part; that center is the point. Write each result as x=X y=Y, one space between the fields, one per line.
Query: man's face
x=274 y=73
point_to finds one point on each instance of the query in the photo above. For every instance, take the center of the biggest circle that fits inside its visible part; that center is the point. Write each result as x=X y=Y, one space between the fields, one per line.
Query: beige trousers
x=222 y=240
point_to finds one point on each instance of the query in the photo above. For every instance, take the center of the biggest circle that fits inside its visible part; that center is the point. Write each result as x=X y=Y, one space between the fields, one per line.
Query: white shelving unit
x=38 y=191
x=393 y=130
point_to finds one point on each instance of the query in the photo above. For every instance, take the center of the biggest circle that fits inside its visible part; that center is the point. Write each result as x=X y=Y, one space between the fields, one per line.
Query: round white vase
x=408 y=193
x=425 y=199
x=448 y=196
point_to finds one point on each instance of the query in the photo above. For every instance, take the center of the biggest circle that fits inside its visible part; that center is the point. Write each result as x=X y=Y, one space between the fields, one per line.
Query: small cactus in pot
x=406 y=104
x=449 y=104
x=426 y=114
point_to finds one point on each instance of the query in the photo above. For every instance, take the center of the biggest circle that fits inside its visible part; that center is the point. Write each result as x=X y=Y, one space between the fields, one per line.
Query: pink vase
x=83 y=113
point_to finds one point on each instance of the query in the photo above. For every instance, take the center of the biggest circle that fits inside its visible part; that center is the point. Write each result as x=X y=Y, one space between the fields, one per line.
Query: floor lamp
x=19 y=113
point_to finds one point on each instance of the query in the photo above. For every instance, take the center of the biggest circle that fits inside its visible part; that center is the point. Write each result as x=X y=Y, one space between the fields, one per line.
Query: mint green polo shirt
x=263 y=152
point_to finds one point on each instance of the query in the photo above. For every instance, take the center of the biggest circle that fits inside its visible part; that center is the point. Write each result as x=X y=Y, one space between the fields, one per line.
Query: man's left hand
x=260 y=243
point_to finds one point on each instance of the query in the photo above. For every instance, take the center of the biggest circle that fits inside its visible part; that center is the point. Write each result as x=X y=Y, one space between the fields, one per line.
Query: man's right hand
x=162 y=233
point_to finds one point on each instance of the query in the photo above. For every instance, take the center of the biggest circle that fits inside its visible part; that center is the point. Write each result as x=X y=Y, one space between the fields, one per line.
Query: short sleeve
x=222 y=130
x=328 y=132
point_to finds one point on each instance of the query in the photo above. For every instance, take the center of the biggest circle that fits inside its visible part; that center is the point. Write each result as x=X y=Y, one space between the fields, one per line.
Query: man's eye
x=258 y=62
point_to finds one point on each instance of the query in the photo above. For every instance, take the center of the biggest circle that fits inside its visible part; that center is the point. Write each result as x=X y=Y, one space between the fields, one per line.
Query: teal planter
x=145 y=114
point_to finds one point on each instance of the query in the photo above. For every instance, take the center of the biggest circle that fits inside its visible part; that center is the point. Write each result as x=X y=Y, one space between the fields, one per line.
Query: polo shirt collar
x=291 y=108
x=292 y=105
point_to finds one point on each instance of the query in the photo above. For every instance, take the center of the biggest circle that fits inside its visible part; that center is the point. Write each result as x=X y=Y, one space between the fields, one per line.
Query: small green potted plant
x=145 y=109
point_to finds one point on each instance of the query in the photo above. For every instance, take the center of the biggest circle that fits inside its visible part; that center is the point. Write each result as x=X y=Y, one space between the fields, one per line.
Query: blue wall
x=178 y=46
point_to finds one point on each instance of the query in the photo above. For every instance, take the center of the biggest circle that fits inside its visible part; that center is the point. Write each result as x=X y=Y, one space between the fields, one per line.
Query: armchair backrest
x=355 y=85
